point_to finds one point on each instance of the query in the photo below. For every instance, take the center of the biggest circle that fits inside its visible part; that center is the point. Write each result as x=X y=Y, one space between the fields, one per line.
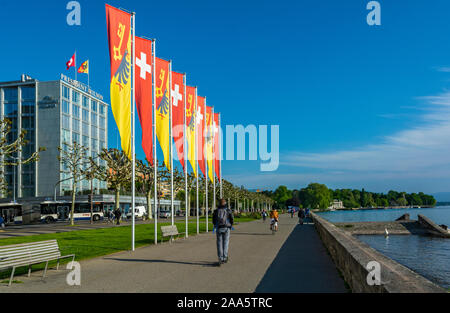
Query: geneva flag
x=144 y=97
x=190 y=126
x=119 y=37
x=163 y=107
x=200 y=135
x=217 y=144
x=178 y=114
x=209 y=142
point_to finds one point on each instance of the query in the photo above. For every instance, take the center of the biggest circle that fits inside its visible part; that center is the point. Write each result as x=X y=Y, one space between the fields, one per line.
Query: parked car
x=140 y=212
x=165 y=214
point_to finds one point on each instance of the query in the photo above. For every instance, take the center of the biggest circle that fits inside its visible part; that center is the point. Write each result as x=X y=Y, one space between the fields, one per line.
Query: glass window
x=94 y=106
x=28 y=93
x=94 y=145
x=75 y=97
x=85 y=129
x=94 y=132
x=101 y=134
x=28 y=107
x=85 y=115
x=65 y=92
x=102 y=145
x=28 y=122
x=66 y=122
x=102 y=122
x=75 y=137
x=102 y=109
x=65 y=107
x=11 y=109
x=76 y=125
x=86 y=141
x=65 y=136
x=94 y=119
x=75 y=110
x=85 y=102
x=11 y=94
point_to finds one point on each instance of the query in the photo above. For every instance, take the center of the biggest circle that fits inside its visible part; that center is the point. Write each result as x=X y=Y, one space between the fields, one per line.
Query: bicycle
x=274 y=227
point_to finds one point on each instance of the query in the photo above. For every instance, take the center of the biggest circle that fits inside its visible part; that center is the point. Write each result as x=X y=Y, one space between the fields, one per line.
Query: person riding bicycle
x=274 y=219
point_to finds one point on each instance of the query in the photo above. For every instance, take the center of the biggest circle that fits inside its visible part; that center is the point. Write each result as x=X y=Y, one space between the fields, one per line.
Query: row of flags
x=84 y=68
x=176 y=103
x=170 y=112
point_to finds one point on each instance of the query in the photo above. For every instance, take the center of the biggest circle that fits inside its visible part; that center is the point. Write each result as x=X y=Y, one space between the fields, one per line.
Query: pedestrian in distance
x=223 y=221
x=117 y=214
x=301 y=216
x=2 y=222
x=264 y=216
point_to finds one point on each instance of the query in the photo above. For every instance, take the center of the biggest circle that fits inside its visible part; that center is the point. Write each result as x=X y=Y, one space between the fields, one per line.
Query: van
x=140 y=212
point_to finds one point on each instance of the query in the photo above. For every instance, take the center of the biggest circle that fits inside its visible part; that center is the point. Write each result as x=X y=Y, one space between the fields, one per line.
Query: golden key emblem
x=159 y=91
x=120 y=34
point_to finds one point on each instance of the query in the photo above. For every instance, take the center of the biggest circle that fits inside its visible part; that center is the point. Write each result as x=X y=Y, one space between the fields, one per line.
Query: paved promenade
x=293 y=260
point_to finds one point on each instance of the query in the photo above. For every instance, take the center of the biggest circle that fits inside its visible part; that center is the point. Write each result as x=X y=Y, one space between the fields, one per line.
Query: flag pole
x=155 y=156
x=133 y=146
x=76 y=69
x=220 y=158
x=206 y=166
x=213 y=162
x=196 y=160
x=185 y=162
x=171 y=146
x=89 y=73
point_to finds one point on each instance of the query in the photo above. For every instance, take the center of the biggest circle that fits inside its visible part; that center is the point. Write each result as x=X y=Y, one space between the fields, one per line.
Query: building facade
x=54 y=114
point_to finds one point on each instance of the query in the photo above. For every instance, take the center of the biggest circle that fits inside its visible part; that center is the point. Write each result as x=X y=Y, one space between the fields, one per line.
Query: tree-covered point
x=319 y=196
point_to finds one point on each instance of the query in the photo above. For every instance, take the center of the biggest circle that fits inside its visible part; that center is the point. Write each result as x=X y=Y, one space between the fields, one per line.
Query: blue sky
x=358 y=106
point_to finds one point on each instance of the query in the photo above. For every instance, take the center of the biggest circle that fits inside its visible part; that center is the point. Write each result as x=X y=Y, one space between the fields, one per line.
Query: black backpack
x=222 y=218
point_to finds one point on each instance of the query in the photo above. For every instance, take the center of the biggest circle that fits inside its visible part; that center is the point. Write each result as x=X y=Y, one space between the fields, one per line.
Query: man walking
x=301 y=216
x=223 y=220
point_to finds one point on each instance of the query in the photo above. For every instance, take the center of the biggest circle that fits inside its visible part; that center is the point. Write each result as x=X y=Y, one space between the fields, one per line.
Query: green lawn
x=87 y=244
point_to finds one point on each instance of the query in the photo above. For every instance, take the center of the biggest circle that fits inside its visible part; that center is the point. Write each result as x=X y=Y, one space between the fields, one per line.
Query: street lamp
x=14 y=179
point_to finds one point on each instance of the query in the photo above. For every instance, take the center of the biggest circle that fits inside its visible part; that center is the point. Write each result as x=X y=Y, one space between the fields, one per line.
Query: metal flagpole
x=89 y=71
x=133 y=146
x=155 y=157
x=76 y=69
x=206 y=166
x=171 y=146
x=213 y=162
x=220 y=158
x=196 y=160
x=185 y=162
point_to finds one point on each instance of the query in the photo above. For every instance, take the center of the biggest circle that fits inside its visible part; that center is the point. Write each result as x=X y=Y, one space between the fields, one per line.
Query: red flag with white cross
x=144 y=99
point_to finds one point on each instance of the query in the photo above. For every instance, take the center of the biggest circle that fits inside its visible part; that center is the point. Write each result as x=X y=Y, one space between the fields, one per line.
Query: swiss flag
x=144 y=99
x=71 y=62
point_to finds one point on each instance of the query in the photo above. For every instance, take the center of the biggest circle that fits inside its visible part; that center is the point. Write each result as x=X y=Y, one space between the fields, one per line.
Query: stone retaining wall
x=433 y=228
x=352 y=256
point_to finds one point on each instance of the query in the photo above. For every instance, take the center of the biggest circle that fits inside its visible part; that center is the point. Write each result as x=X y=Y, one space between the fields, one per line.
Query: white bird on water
x=386 y=233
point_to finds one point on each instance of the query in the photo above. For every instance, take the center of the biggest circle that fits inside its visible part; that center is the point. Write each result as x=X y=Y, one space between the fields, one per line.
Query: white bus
x=60 y=211
x=11 y=213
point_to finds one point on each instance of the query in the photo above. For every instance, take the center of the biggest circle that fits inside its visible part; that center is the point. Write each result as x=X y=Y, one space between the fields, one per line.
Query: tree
x=116 y=173
x=9 y=149
x=281 y=195
x=73 y=158
x=318 y=196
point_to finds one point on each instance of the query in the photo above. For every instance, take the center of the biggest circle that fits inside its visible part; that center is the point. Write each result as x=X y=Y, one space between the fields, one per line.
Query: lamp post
x=14 y=179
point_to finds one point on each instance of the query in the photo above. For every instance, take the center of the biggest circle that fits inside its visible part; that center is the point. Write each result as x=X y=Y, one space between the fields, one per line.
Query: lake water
x=428 y=256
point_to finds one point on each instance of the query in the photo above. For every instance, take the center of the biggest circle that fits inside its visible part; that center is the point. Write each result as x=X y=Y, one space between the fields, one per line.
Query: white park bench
x=169 y=231
x=29 y=254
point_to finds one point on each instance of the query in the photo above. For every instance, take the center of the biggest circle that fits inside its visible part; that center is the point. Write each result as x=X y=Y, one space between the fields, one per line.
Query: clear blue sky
x=358 y=106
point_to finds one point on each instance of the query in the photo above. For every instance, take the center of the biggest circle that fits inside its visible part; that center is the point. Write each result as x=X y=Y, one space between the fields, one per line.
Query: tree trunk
x=117 y=198
x=72 y=210
x=92 y=202
x=149 y=204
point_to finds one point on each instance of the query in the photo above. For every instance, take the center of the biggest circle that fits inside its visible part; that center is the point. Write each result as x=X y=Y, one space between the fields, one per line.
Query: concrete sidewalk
x=190 y=266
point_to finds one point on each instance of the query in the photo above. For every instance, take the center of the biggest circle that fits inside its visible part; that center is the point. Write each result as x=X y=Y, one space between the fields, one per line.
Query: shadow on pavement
x=302 y=266
x=204 y=264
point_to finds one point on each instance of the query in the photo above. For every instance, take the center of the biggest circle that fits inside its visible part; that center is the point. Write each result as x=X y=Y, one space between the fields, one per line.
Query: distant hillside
x=442 y=196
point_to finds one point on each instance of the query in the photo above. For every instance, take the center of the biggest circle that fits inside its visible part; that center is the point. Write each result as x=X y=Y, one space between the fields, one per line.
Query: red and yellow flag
x=119 y=38
x=190 y=126
x=144 y=99
x=217 y=141
x=200 y=120
x=209 y=142
x=163 y=107
x=84 y=68
x=178 y=114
